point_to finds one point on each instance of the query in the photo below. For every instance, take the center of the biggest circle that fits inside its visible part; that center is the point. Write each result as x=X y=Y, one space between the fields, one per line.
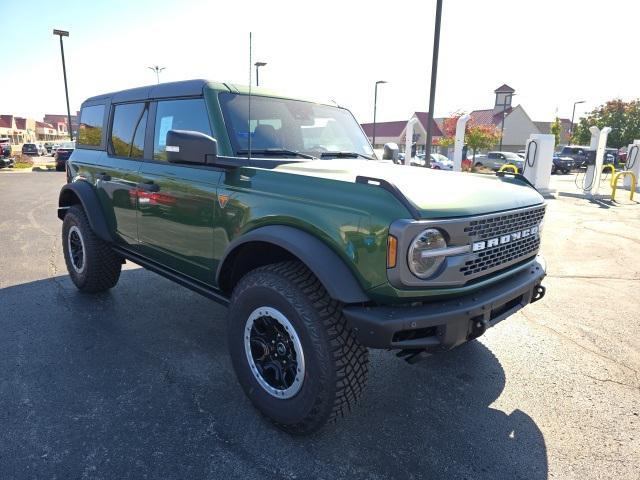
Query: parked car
x=5 y=153
x=521 y=153
x=495 y=160
x=579 y=154
x=42 y=150
x=321 y=251
x=5 y=148
x=437 y=161
x=48 y=146
x=63 y=152
x=440 y=162
x=562 y=164
x=30 y=149
x=54 y=147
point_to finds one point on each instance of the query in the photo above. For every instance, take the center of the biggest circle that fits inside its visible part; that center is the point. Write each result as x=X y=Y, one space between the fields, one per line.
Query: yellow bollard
x=613 y=172
x=504 y=168
x=614 y=183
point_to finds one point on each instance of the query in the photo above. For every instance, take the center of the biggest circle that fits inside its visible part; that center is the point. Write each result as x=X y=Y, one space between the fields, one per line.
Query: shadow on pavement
x=136 y=382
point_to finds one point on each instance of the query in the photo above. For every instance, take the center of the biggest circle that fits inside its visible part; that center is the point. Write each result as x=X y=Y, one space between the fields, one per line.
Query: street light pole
x=157 y=69
x=63 y=33
x=375 y=107
x=258 y=65
x=572 y=117
x=434 y=76
x=504 y=110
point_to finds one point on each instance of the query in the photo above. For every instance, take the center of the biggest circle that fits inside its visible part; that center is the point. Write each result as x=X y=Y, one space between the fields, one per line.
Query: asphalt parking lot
x=136 y=383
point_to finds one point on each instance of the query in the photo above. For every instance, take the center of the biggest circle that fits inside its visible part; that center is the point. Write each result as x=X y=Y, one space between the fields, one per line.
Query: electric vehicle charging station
x=591 y=184
x=461 y=125
x=538 y=160
x=633 y=162
x=409 y=140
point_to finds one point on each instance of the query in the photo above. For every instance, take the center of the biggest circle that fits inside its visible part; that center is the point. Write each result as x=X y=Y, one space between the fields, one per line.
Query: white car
x=440 y=162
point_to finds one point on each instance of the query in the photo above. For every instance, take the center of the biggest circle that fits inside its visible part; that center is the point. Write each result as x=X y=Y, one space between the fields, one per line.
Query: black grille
x=503 y=224
x=493 y=257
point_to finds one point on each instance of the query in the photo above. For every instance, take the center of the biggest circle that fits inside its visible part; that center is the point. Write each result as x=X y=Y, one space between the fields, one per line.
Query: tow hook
x=478 y=327
x=538 y=293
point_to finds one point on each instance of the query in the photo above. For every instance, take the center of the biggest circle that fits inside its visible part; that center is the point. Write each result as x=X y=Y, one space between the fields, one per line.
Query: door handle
x=149 y=186
x=103 y=176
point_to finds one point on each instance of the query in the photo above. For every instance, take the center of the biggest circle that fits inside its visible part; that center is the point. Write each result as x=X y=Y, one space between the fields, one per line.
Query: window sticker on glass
x=165 y=126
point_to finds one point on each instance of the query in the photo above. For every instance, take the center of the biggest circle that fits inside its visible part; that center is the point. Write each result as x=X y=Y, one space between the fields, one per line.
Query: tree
x=480 y=137
x=622 y=117
x=448 y=129
x=556 y=129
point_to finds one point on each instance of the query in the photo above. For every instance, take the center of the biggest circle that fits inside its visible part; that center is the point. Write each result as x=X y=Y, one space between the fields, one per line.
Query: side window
x=492 y=155
x=128 y=129
x=90 y=128
x=188 y=114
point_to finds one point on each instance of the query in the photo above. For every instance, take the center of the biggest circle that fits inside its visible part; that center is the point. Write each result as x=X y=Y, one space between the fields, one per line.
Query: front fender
x=325 y=264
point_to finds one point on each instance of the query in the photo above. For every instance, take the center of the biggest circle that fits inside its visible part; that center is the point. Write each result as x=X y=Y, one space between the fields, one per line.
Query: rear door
x=113 y=169
x=176 y=209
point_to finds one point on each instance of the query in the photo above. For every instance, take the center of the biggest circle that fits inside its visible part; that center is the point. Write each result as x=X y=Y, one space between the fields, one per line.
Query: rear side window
x=188 y=114
x=128 y=129
x=90 y=129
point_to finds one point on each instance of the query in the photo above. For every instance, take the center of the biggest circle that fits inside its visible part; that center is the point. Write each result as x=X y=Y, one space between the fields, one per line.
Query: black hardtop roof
x=163 y=90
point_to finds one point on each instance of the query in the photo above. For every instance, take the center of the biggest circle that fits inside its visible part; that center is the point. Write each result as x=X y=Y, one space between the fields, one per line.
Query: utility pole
x=572 y=117
x=258 y=65
x=63 y=33
x=375 y=106
x=157 y=69
x=434 y=75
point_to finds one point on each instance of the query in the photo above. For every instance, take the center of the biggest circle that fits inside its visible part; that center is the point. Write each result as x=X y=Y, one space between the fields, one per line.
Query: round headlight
x=421 y=264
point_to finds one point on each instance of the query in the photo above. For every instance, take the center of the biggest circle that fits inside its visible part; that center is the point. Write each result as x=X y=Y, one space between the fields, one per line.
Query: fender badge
x=222 y=200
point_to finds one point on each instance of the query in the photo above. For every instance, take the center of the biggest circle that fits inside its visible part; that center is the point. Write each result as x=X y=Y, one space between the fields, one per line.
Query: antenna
x=249 y=119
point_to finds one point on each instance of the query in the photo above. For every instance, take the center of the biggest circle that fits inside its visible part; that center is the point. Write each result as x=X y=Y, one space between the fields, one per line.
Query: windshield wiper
x=276 y=152
x=345 y=155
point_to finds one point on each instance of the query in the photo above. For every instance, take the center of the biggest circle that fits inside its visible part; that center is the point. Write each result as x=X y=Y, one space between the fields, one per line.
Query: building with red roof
x=395 y=132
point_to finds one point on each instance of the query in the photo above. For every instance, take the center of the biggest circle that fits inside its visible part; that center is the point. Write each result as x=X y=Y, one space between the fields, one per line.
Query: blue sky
x=552 y=52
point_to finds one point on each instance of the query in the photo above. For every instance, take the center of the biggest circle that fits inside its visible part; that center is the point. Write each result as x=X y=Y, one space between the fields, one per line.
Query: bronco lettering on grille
x=501 y=240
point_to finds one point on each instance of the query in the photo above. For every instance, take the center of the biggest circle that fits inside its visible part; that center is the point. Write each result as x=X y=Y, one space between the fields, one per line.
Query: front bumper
x=439 y=326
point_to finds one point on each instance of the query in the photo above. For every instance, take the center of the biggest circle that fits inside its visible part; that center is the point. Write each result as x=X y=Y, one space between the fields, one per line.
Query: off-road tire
x=102 y=265
x=336 y=365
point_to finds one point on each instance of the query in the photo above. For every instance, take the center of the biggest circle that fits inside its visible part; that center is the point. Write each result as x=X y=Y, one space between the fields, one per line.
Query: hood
x=435 y=193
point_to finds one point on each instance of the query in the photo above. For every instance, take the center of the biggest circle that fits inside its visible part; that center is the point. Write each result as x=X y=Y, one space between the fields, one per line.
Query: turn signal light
x=392 y=251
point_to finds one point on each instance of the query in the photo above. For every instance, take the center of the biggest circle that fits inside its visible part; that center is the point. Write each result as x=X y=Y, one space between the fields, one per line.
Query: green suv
x=278 y=208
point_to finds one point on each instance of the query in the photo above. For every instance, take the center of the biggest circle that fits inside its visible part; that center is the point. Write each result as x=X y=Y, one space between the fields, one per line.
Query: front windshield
x=511 y=156
x=292 y=125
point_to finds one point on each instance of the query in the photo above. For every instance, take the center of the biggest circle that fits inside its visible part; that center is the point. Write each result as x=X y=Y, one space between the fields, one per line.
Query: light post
x=157 y=69
x=375 y=107
x=572 y=117
x=507 y=101
x=434 y=76
x=63 y=33
x=258 y=65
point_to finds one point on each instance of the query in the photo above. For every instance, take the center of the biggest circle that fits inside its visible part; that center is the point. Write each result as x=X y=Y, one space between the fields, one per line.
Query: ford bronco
x=278 y=208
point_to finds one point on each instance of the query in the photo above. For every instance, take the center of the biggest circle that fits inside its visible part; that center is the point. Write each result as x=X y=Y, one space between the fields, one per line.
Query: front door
x=177 y=203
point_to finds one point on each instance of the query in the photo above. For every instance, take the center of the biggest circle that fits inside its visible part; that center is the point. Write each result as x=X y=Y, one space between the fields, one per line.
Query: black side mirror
x=186 y=146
